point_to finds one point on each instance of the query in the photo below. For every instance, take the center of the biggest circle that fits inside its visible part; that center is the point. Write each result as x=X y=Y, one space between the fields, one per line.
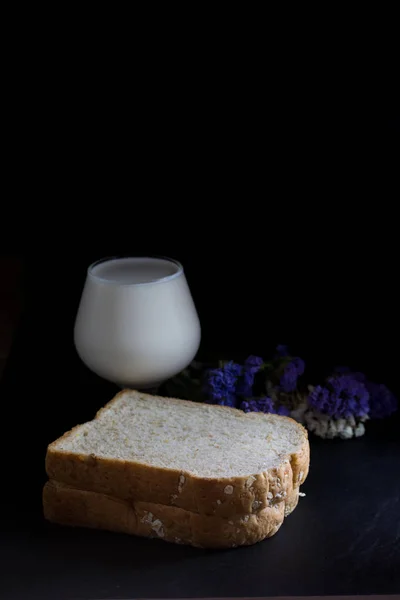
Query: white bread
x=73 y=507
x=205 y=459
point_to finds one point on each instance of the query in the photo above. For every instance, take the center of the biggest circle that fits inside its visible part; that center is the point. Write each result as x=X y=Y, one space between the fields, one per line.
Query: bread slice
x=74 y=507
x=206 y=459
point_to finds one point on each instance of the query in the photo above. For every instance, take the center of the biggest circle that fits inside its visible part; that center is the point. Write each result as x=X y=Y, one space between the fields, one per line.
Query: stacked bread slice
x=185 y=472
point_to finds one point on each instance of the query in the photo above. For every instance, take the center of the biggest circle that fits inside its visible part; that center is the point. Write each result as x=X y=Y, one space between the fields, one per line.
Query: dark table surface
x=344 y=537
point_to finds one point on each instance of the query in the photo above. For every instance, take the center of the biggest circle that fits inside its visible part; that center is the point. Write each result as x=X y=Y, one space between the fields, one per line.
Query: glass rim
x=106 y=259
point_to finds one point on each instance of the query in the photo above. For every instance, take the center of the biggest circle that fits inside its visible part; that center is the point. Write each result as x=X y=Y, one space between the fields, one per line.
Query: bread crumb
x=270 y=495
x=158 y=527
x=300 y=477
x=250 y=481
x=181 y=483
x=256 y=505
x=302 y=494
x=230 y=522
x=218 y=501
x=228 y=489
x=148 y=517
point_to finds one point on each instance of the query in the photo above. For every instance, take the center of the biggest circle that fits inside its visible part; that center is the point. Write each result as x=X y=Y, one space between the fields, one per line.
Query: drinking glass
x=137 y=323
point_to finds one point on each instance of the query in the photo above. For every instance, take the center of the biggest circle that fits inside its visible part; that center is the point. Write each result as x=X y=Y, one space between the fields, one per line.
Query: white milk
x=137 y=324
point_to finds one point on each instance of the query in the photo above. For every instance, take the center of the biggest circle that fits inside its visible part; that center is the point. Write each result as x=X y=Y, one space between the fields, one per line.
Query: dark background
x=285 y=224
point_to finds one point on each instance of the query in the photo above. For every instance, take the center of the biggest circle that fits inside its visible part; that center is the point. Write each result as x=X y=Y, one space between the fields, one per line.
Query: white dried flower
x=298 y=414
x=359 y=430
x=340 y=425
x=271 y=391
x=328 y=428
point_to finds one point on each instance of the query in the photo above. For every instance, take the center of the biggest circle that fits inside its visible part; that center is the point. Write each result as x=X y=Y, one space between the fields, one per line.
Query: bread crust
x=70 y=506
x=137 y=482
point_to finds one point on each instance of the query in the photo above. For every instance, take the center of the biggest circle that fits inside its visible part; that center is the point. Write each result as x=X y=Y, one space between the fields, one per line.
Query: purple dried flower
x=233 y=368
x=382 y=401
x=252 y=365
x=245 y=385
x=341 y=397
x=299 y=365
x=283 y=411
x=264 y=404
x=228 y=400
x=292 y=371
x=250 y=405
x=288 y=380
x=320 y=398
x=219 y=385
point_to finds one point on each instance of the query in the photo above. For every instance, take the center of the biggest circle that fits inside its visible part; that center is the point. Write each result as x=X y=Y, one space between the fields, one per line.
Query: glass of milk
x=137 y=324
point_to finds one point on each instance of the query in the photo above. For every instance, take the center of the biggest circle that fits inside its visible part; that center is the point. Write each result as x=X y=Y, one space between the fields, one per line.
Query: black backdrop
x=288 y=233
